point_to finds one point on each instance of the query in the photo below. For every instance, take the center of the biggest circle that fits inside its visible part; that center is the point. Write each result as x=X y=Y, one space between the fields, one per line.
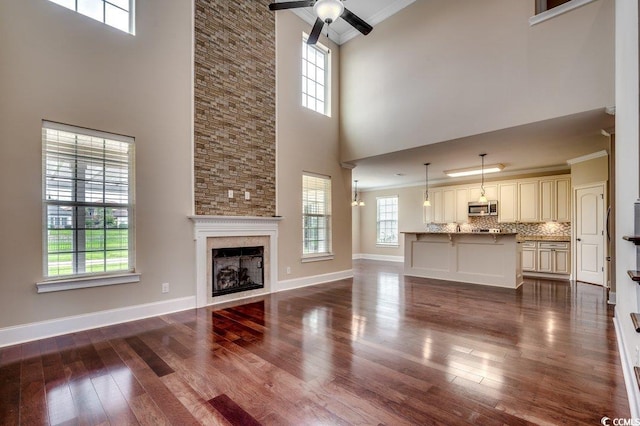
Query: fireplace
x=242 y=235
x=237 y=269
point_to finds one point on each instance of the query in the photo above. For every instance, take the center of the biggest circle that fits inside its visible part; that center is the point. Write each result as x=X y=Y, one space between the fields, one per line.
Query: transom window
x=315 y=77
x=316 y=215
x=387 y=220
x=115 y=13
x=88 y=201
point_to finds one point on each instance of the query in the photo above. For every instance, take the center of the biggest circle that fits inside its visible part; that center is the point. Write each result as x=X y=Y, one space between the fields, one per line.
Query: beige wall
x=58 y=65
x=590 y=171
x=306 y=141
x=445 y=69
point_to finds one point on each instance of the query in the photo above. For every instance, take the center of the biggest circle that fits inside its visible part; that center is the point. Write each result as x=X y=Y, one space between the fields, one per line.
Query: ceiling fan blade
x=291 y=4
x=315 y=32
x=356 y=22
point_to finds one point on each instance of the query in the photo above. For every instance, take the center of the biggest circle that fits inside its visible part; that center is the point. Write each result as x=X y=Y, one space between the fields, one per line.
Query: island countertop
x=488 y=258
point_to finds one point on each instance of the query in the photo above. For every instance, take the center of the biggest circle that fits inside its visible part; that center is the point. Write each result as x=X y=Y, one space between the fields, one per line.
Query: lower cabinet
x=548 y=257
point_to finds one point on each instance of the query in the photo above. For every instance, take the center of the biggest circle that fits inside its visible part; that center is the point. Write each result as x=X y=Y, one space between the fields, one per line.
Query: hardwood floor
x=378 y=349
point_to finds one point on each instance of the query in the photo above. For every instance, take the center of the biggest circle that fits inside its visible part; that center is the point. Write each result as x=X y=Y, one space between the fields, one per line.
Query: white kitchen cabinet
x=528 y=201
x=490 y=191
x=549 y=257
x=555 y=200
x=448 y=205
x=462 y=203
x=529 y=256
x=508 y=202
x=437 y=208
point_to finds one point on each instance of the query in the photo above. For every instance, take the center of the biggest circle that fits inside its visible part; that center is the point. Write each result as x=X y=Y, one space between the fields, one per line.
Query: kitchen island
x=478 y=258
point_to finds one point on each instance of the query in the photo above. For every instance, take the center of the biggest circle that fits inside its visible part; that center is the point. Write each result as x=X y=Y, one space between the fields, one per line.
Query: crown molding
x=587 y=157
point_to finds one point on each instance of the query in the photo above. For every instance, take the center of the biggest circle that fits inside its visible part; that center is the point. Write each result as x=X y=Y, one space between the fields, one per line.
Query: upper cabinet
x=490 y=191
x=555 y=200
x=462 y=203
x=528 y=201
x=508 y=202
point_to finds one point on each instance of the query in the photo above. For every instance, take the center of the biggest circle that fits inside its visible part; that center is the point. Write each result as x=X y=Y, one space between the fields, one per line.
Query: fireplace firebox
x=237 y=269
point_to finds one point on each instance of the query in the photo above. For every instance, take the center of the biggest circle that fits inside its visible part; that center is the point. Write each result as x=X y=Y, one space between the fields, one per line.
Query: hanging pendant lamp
x=483 y=197
x=426 y=203
x=356 y=202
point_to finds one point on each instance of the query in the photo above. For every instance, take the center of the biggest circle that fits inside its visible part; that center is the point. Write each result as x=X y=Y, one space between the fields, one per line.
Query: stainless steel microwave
x=490 y=208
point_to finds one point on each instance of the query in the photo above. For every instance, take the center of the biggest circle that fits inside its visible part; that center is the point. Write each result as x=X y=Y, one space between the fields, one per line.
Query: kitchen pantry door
x=589 y=231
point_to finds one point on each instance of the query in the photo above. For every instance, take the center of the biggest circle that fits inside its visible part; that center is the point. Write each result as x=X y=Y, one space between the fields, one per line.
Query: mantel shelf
x=634 y=275
x=635 y=239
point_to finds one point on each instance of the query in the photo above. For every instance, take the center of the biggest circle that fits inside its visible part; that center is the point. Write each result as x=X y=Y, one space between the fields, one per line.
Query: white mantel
x=233 y=226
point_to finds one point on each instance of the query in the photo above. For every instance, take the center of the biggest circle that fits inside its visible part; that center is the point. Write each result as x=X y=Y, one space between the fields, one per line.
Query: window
x=315 y=77
x=115 y=13
x=387 y=221
x=88 y=202
x=316 y=215
x=542 y=5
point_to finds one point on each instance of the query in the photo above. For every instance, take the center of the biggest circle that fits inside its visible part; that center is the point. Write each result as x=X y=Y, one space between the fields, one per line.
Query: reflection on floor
x=379 y=348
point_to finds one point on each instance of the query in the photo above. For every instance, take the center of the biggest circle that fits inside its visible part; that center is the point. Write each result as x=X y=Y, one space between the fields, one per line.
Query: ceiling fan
x=326 y=11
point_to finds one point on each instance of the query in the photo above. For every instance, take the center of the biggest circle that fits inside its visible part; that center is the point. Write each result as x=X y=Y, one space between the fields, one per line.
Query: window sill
x=86 y=282
x=317 y=257
x=557 y=11
x=387 y=245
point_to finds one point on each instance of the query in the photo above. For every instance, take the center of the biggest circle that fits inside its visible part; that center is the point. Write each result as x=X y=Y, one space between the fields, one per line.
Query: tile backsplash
x=544 y=228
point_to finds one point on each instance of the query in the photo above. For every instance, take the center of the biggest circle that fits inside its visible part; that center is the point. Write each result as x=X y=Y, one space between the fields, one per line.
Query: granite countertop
x=458 y=233
x=559 y=238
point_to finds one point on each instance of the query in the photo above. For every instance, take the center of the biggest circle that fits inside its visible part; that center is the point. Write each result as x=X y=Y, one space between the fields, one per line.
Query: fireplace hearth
x=237 y=269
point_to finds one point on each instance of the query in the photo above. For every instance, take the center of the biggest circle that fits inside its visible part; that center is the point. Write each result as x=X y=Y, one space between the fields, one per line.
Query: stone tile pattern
x=524 y=229
x=235 y=108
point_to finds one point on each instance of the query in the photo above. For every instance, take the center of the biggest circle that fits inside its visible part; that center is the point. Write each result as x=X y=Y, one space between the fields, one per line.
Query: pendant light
x=483 y=198
x=426 y=203
x=356 y=202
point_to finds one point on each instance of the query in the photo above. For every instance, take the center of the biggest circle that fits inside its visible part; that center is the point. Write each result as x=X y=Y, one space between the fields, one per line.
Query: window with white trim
x=316 y=215
x=315 y=77
x=115 y=13
x=88 y=202
x=387 y=221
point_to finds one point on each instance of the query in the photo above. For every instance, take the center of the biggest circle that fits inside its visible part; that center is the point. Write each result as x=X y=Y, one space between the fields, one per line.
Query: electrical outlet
x=231 y=193
x=288 y=269
x=247 y=195
x=165 y=287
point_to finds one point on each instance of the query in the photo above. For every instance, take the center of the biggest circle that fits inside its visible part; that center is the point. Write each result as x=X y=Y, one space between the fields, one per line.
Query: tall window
x=115 y=13
x=316 y=214
x=387 y=220
x=315 y=77
x=88 y=201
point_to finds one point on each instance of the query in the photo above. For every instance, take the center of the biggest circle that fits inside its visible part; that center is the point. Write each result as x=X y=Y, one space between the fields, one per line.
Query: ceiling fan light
x=328 y=10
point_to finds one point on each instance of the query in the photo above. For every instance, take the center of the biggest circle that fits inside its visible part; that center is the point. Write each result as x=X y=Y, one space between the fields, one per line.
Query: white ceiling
x=371 y=11
x=524 y=149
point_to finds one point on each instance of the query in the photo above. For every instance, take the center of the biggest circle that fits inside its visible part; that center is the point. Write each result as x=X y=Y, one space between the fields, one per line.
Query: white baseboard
x=382 y=257
x=627 y=371
x=313 y=280
x=612 y=298
x=43 y=329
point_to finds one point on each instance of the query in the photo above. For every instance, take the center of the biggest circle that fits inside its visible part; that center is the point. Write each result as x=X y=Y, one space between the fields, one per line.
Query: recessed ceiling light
x=399 y=174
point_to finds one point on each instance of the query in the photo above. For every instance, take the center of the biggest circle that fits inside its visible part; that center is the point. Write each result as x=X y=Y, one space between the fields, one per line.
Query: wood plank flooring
x=377 y=349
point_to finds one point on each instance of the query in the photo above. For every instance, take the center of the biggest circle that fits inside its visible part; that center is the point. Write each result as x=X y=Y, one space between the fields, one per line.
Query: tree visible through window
x=88 y=201
x=316 y=214
x=315 y=76
x=387 y=220
x=115 y=13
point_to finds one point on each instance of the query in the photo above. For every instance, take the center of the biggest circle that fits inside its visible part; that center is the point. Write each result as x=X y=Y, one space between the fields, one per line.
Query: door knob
x=578 y=239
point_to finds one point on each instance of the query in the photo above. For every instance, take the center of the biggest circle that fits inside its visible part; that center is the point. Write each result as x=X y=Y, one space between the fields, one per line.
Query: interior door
x=590 y=247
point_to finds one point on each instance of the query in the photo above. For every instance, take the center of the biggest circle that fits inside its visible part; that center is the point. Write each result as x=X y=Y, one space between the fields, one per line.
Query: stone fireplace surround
x=211 y=231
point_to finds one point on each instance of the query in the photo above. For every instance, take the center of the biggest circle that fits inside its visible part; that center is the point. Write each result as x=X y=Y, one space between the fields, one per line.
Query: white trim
x=547 y=275
x=316 y=257
x=374 y=20
x=313 y=280
x=612 y=298
x=587 y=157
x=633 y=393
x=43 y=329
x=86 y=282
x=381 y=257
x=206 y=226
x=52 y=125
x=557 y=11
